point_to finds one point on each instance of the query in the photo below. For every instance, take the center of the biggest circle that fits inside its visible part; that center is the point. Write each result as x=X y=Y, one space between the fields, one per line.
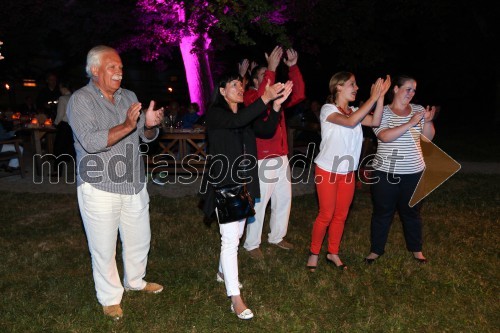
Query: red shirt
x=278 y=144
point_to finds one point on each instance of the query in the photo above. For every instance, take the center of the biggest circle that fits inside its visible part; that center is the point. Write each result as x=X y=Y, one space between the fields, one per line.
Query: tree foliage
x=162 y=23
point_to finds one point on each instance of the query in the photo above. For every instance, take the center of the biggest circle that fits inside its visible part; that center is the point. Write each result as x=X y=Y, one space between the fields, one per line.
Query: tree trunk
x=198 y=73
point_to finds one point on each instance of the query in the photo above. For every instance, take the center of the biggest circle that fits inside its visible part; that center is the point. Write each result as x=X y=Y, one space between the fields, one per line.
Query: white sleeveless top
x=340 y=147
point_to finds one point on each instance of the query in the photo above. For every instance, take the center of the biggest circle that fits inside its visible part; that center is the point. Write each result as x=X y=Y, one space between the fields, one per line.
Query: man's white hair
x=94 y=57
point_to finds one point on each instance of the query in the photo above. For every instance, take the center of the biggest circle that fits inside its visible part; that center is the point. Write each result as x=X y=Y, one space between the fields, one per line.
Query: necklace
x=344 y=112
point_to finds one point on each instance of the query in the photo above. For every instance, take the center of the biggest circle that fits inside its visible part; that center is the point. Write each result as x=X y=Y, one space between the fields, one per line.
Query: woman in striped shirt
x=398 y=167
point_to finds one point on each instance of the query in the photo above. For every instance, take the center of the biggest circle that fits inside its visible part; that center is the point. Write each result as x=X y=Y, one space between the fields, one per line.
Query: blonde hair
x=337 y=79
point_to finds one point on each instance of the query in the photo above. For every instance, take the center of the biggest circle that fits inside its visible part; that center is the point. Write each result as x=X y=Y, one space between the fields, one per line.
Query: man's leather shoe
x=113 y=311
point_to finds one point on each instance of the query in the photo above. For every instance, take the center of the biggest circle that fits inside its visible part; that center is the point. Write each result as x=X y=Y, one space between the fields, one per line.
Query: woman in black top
x=230 y=136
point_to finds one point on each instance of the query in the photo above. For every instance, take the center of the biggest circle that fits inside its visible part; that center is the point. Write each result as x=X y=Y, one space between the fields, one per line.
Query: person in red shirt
x=272 y=154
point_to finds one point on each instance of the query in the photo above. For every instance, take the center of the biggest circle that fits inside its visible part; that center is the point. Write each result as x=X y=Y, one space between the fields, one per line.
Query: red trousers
x=335 y=193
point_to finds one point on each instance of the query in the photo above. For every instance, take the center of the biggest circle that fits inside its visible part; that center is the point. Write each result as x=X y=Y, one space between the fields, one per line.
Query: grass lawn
x=46 y=279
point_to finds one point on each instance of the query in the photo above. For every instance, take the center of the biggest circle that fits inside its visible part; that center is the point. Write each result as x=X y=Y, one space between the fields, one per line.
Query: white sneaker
x=220 y=278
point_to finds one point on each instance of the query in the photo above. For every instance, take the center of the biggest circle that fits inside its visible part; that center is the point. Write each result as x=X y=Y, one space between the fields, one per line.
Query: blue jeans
x=390 y=193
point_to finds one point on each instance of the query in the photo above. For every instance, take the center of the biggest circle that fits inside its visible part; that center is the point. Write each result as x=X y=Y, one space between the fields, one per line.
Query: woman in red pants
x=340 y=148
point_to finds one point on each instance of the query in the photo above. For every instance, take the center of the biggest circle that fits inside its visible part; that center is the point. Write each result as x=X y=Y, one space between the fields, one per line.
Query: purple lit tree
x=191 y=25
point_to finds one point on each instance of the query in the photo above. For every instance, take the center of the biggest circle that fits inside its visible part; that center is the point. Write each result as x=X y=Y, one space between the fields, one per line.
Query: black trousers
x=390 y=193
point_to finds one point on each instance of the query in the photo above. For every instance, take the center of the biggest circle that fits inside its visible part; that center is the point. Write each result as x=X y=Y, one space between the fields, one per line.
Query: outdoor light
x=170 y=90
x=7 y=86
x=29 y=83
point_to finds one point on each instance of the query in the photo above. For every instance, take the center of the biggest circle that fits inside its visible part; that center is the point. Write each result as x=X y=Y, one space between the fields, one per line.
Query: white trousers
x=275 y=185
x=104 y=214
x=228 y=264
x=13 y=162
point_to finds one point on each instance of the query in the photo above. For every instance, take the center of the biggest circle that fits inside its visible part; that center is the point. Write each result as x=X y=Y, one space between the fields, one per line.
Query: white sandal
x=245 y=314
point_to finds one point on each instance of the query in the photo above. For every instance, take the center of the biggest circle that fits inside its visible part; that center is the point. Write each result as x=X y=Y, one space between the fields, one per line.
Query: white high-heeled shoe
x=220 y=278
x=245 y=315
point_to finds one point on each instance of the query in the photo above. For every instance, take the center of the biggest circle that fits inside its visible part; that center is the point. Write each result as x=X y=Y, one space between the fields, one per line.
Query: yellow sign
x=439 y=167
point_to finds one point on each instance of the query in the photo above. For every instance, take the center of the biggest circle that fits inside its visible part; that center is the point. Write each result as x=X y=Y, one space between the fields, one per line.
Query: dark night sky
x=448 y=50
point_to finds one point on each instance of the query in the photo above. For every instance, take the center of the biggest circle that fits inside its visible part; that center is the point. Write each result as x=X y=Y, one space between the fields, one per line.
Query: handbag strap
x=244 y=158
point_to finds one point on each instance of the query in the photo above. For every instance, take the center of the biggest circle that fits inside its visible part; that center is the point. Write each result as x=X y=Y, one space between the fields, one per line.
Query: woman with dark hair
x=402 y=126
x=230 y=136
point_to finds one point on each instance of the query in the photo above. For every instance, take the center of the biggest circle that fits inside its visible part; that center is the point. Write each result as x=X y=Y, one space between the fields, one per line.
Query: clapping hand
x=416 y=118
x=287 y=90
x=376 y=89
x=153 y=117
x=133 y=113
x=243 y=67
x=386 y=85
x=291 y=57
x=429 y=113
x=1 y=43
x=273 y=60
x=272 y=92
x=252 y=66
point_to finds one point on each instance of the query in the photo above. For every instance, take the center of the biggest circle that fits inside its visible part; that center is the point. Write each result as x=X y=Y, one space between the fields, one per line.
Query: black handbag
x=233 y=203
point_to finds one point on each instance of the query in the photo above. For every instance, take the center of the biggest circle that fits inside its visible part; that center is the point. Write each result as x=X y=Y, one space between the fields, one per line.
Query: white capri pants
x=228 y=264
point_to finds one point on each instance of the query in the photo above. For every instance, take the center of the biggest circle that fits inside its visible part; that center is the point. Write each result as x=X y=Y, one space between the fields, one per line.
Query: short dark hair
x=217 y=99
x=253 y=75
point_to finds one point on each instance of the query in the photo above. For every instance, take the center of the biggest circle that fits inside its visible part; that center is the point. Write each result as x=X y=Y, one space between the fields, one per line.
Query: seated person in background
x=41 y=117
x=173 y=113
x=14 y=162
x=200 y=123
x=190 y=118
x=29 y=107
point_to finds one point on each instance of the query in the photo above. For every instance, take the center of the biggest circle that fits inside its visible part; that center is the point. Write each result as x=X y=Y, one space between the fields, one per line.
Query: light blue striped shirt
x=115 y=169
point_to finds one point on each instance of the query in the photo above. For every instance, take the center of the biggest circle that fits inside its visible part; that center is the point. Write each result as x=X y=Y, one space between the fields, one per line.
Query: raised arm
x=273 y=60
x=299 y=89
x=375 y=119
x=265 y=126
x=219 y=118
x=243 y=67
x=356 y=117
x=429 y=130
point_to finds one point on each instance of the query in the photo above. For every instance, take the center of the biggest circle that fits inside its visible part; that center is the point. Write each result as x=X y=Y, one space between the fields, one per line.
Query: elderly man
x=107 y=123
